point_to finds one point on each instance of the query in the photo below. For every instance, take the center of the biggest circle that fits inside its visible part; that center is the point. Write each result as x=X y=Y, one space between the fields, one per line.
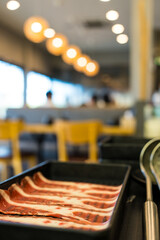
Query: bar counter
x=108 y=115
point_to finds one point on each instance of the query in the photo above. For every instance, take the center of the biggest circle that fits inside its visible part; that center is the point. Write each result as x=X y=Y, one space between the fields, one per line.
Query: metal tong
x=151 y=221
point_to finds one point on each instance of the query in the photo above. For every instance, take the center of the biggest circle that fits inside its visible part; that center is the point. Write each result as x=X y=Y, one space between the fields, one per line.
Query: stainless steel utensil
x=155 y=163
x=150 y=208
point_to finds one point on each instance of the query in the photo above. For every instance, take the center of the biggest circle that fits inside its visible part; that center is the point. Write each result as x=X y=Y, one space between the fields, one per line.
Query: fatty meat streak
x=90 y=205
x=50 y=222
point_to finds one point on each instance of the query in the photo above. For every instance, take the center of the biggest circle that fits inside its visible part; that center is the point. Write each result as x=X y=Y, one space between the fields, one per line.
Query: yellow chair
x=78 y=133
x=9 y=132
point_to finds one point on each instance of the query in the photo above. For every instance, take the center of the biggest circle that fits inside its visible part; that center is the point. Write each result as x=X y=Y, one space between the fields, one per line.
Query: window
x=66 y=94
x=11 y=86
x=37 y=86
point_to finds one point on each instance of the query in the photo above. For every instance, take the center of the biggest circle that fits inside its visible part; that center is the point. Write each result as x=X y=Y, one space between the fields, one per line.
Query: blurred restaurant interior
x=80 y=82
x=116 y=80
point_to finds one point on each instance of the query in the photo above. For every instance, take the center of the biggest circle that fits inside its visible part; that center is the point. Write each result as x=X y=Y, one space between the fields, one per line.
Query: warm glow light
x=92 y=68
x=49 y=33
x=13 y=5
x=34 y=28
x=117 y=28
x=71 y=54
x=122 y=38
x=81 y=62
x=105 y=0
x=57 y=44
x=112 y=15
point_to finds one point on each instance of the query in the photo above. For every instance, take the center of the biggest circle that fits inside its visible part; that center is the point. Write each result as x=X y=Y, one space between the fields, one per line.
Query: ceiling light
x=112 y=15
x=92 y=68
x=34 y=28
x=71 y=54
x=13 y=5
x=117 y=28
x=49 y=33
x=122 y=38
x=81 y=62
x=57 y=44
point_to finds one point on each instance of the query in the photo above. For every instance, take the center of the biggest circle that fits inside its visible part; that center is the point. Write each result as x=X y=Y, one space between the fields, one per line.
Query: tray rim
x=82 y=232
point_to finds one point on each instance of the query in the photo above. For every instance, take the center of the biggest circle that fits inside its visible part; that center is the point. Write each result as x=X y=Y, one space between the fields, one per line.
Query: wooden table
x=106 y=129
x=117 y=130
x=39 y=128
x=52 y=129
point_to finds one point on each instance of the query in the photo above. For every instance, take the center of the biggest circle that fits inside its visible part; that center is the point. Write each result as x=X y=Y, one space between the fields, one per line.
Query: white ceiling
x=68 y=17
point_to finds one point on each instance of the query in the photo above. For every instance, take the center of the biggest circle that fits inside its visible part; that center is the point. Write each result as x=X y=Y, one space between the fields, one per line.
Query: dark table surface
x=132 y=222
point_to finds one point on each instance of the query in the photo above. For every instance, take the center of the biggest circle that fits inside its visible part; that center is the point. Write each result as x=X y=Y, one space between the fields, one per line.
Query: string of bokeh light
x=37 y=29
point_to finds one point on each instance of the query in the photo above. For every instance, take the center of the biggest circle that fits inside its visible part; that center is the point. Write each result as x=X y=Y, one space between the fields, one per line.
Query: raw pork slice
x=49 y=222
x=38 y=200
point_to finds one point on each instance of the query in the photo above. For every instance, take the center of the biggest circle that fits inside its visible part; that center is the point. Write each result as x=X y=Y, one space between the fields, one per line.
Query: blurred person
x=49 y=102
x=107 y=98
x=93 y=101
x=105 y=101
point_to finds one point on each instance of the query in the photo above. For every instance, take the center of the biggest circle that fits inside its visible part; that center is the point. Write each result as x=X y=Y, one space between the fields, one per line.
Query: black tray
x=93 y=173
x=121 y=148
